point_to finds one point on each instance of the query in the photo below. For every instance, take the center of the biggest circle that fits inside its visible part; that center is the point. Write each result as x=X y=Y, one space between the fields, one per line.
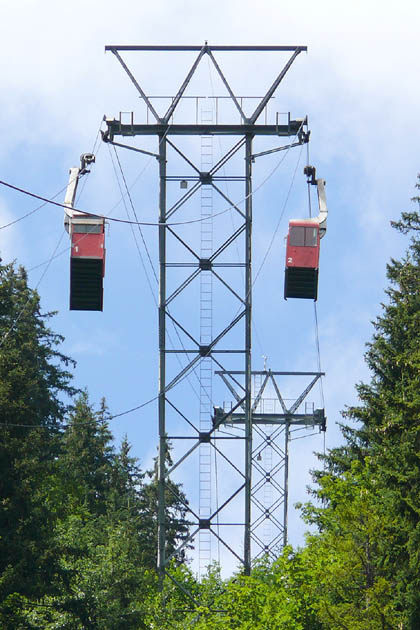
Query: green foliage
x=33 y=380
x=77 y=518
x=175 y=513
x=108 y=530
x=275 y=597
x=87 y=457
x=370 y=514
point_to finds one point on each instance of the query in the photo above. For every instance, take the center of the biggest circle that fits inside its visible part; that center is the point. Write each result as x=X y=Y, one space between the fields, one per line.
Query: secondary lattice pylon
x=274 y=418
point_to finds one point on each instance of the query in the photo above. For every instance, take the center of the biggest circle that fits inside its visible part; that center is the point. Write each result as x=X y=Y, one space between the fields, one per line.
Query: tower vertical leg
x=162 y=357
x=286 y=481
x=248 y=382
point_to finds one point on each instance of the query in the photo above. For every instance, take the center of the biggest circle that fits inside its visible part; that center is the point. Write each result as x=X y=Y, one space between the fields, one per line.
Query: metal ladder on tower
x=268 y=467
x=265 y=459
x=206 y=330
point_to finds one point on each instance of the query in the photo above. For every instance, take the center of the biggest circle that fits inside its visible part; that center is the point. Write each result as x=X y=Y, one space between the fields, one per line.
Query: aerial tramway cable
x=146 y=223
x=148 y=255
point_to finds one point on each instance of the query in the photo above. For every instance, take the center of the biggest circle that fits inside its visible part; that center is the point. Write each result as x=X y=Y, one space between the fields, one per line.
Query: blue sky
x=358 y=84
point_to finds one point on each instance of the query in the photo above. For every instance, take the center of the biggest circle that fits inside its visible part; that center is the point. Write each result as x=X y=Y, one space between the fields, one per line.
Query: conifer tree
x=87 y=457
x=378 y=467
x=34 y=377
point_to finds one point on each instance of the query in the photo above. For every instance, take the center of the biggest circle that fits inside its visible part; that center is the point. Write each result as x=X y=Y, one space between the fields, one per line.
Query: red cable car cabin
x=87 y=263
x=87 y=255
x=302 y=259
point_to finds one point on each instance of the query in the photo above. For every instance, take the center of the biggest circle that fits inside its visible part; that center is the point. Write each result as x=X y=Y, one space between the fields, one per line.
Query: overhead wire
x=147 y=252
x=51 y=258
x=54 y=255
x=132 y=226
x=270 y=174
x=88 y=422
x=42 y=205
x=118 y=220
x=317 y=346
x=108 y=418
x=16 y=320
x=286 y=201
x=135 y=214
x=105 y=216
x=148 y=223
x=28 y=214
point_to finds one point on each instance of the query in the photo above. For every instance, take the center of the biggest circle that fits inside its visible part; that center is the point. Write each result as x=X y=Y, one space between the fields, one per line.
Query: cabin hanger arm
x=310 y=172
x=75 y=174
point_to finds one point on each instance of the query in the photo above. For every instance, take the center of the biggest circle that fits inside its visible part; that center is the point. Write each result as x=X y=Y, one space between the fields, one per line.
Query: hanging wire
x=308 y=183
x=318 y=353
x=151 y=223
x=54 y=255
x=7 y=333
x=42 y=205
x=111 y=417
x=131 y=225
x=280 y=218
x=28 y=214
x=128 y=195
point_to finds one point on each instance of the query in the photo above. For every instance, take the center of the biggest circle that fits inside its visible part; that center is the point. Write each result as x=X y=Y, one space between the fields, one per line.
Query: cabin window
x=311 y=236
x=87 y=228
x=297 y=236
x=301 y=236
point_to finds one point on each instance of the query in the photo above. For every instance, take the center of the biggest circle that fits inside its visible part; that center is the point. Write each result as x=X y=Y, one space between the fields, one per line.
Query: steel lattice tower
x=206 y=349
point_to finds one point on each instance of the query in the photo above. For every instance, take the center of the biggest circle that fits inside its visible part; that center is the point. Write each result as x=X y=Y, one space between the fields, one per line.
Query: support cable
x=7 y=333
x=308 y=182
x=127 y=194
x=111 y=417
x=318 y=354
x=42 y=205
x=280 y=218
x=135 y=216
x=321 y=387
x=150 y=223
x=226 y=185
